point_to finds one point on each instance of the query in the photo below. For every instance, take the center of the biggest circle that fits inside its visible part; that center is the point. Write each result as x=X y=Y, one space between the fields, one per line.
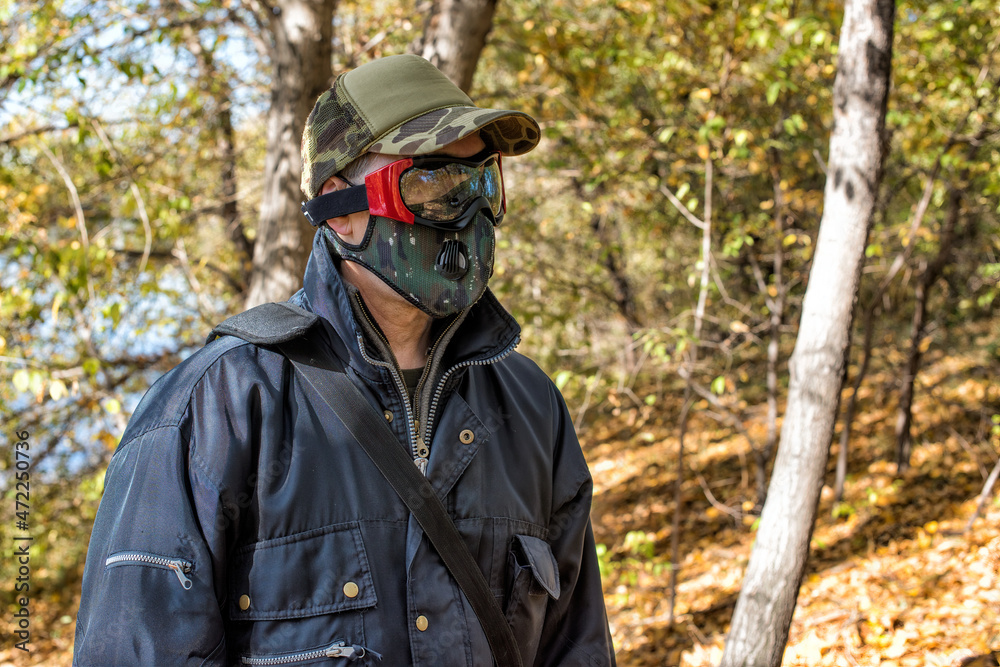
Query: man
x=242 y=523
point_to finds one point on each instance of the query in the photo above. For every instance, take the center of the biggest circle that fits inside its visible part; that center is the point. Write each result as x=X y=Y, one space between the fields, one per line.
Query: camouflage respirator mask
x=440 y=272
x=430 y=234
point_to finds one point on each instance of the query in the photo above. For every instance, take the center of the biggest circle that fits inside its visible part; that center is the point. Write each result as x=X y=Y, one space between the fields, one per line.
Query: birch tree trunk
x=763 y=613
x=454 y=35
x=301 y=71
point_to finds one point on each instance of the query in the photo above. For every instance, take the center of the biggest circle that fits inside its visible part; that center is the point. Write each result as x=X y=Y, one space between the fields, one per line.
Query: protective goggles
x=434 y=190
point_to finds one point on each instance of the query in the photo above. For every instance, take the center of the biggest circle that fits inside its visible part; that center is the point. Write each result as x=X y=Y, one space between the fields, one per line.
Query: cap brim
x=509 y=132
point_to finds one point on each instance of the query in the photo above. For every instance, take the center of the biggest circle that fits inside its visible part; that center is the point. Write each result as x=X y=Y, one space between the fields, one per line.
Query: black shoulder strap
x=270 y=325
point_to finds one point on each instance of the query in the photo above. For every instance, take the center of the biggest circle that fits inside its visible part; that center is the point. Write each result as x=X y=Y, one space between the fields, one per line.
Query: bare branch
x=681 y=208
x=736 y=514
x=140 y=203
x=81 y=221
x=204 y=307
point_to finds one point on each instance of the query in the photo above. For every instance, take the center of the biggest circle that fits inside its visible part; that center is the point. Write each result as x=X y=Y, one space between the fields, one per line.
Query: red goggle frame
x=453 y=191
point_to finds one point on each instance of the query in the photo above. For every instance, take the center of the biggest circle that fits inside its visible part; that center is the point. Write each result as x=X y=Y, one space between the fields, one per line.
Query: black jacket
x=239 y=524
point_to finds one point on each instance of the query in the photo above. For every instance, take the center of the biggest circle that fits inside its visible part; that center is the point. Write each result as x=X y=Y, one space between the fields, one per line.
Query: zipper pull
x=421 y=464
x=179 y=567
x=352 y=652
x=423 y=451
x=339 y=650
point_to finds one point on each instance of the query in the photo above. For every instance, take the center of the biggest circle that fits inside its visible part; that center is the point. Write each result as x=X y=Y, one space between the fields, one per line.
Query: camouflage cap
x=400 y=105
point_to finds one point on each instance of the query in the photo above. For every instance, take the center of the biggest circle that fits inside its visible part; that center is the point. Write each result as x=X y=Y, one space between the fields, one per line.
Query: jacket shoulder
x=168 y=401
x=526 y=371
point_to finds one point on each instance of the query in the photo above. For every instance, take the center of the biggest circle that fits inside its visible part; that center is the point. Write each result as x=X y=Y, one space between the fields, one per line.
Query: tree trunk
x=776 y=310
x=218 y=85
x=613 y=261
x=689 y=364
x=763 y=613
x=929 y=276
x=852 y=401
x=454 y=35
x=301 y=71
x=230 y=206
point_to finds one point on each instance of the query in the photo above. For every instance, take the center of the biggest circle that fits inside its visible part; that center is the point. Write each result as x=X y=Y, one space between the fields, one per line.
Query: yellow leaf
x=702 y=94
x=703 y=151
x=56 y=303
x=21 y=380
x=924 y=344
x=57 y=390
x=113 y=406
x=107 y=439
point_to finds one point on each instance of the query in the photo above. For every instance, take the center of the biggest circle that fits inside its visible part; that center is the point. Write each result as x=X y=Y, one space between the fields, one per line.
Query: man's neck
x=407 y=329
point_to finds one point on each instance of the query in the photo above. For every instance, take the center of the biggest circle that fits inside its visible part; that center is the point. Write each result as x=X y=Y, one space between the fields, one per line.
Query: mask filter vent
x=452 y=260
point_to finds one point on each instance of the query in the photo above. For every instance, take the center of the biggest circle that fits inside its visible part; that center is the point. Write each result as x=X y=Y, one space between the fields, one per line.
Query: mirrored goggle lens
x=444 y=193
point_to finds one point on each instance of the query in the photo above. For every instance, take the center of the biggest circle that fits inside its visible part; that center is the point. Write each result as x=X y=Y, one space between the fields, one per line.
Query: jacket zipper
x=439 y=390
x=423 y=438
x=337 y=649
x=418 y=438
x=397 y=377
x=180 y=567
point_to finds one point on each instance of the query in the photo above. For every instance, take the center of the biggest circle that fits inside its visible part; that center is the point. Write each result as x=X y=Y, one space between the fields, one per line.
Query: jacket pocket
x=322 y=571
x=533 y=578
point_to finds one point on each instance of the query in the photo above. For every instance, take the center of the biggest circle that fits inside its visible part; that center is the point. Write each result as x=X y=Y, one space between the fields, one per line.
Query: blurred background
x=657 y=247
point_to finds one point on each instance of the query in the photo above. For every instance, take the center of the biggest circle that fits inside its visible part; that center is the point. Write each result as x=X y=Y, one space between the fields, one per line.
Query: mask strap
x=335 y=204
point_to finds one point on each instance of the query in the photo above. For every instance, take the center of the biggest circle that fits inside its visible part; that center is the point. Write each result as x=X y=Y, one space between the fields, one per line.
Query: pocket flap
x=543 y=563
x=320 y=571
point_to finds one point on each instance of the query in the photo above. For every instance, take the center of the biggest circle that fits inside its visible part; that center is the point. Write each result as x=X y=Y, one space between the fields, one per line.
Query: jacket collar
x=486 y=331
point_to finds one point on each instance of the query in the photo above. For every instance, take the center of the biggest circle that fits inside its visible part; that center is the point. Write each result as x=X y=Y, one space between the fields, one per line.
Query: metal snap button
x=244 y=602
x=466 y=436
x=388 y=416
x=422 y=623
x=351 y=589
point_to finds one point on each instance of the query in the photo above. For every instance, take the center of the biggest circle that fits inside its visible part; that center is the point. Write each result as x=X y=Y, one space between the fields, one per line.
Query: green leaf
x=91 y=366
x=114 y=311
x=719 y=385
x=772 y=93
x=562 y=377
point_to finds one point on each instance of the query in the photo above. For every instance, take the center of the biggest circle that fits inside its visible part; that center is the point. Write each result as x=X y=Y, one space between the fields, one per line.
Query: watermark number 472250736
x=22 y=540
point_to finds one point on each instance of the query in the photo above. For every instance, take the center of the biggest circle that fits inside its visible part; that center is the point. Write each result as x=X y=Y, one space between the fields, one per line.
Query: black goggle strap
x=335 y=204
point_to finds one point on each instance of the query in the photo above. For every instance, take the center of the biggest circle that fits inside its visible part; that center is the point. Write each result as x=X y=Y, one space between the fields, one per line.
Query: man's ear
x=342 y=225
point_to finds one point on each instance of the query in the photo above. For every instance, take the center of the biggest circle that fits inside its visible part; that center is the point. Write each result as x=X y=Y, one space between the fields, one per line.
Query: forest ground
x=892 y=579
